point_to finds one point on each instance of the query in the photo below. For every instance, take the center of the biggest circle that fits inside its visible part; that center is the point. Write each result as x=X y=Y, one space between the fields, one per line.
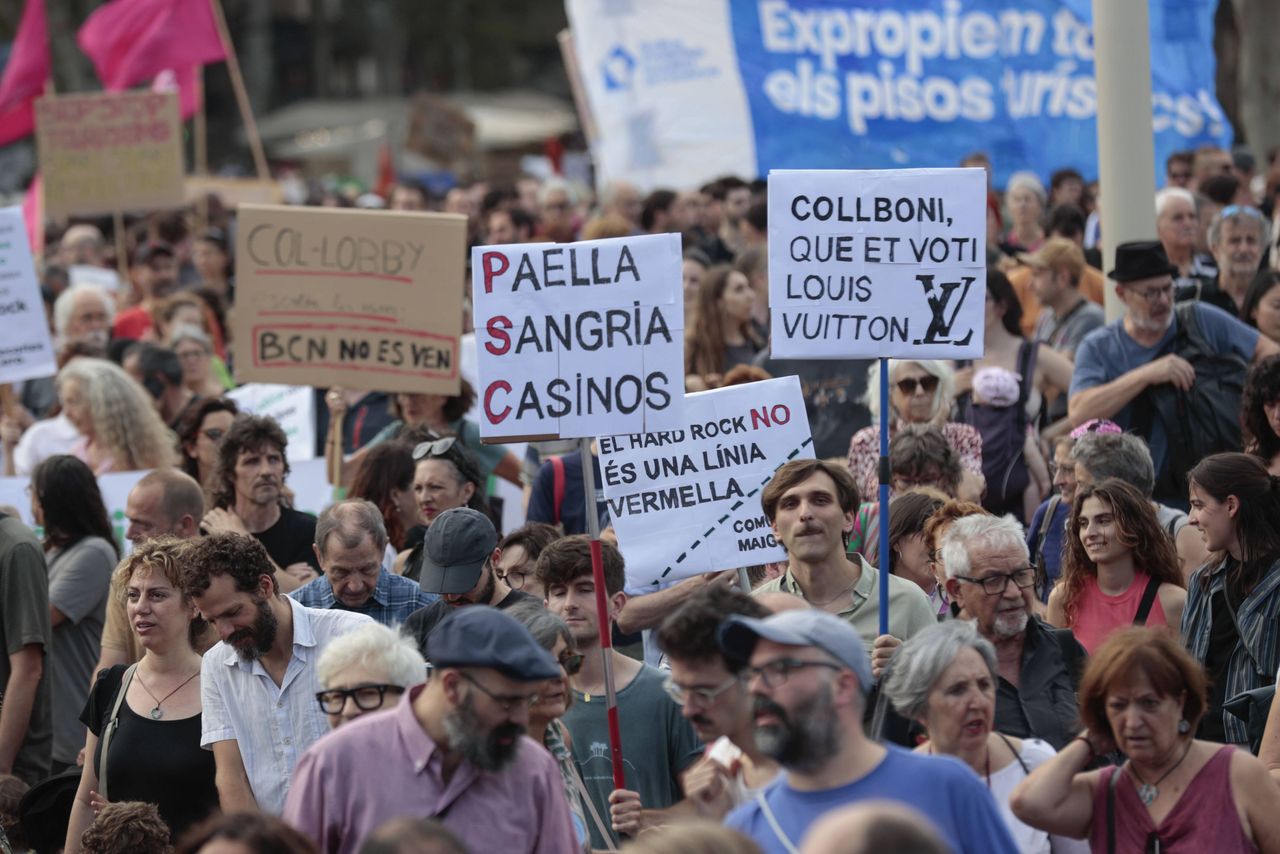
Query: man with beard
x=1116 y=364
x=249 y=499
x=258 y=685
x=457 y=563
x=454 y=748
x=808 y=673
x=989 y=575
x=713 y=697
x=658 y=744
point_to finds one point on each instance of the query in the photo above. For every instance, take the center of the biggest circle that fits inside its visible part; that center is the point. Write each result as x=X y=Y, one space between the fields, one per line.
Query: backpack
x=1004 y=433
x=1199 y=422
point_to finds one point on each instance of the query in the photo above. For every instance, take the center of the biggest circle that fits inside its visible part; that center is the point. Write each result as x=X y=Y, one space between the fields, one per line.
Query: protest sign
x=25 y=349
x=687 y=501
x=101 y=277
x=357 y=298
x=888 y=263
x=756 y=85
x=579 y=339
x=233 y=191
x=109 y=152
x=293 y=408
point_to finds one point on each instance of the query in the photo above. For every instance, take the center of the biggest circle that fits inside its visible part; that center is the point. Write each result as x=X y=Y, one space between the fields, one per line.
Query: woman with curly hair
x=1260 y=412
x=1120 y=567
x=119 y=427
x=720 y=334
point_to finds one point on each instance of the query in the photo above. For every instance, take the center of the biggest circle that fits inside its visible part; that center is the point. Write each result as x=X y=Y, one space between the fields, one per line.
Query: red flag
x=131 y=41
x=25 y=74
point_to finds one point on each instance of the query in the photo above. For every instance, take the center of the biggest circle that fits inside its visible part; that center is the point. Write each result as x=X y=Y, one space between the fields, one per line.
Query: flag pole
x=242 y=94
x=200 y=145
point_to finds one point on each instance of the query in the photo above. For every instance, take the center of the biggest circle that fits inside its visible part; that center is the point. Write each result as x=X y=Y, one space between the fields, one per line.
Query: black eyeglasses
x=776 y=673
x=910 y=384
x=516 y=578
x=368 y=698
x=997 y=583
x=506 y=702
x=437 y=448
x=571 y=662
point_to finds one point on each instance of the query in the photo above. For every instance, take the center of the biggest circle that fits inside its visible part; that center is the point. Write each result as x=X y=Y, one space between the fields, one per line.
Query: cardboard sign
x=26 y=351
x=233 y=191
x=687 y=501
x=361 y=299
x=293 y=408
x=885 y=263
x=108 y=152
x=579 y=339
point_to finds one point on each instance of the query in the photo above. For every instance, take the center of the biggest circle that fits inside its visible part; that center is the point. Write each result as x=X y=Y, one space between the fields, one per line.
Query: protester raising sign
x=579 y=339
x=687 y=500
x=25 y=349
x=105 y=153
x=887 y=263
x=362 y=299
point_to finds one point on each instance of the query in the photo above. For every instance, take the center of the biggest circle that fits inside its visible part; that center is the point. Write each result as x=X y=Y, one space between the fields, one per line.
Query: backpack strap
x=109 y=730
x=557 y=481
x=1042 y=575
x=1148 y=599
x=1028 y=352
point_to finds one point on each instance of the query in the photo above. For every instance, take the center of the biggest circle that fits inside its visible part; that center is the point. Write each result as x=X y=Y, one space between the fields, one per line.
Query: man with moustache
x=808 y=673
x=457 y=563
x=454 y=748
x=258 y=685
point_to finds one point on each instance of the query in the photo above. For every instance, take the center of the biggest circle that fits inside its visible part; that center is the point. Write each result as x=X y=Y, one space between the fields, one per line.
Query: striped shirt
x=393 y=600
x=1252 y=664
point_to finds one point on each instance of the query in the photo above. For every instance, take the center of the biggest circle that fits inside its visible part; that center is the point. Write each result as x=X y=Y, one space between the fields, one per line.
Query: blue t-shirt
x=1109 y=352
x=941 y=787
x=1055 y=540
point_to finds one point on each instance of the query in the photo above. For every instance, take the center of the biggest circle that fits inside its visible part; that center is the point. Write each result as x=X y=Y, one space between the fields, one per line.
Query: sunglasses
x=438 y=448
x=910 y=384
x=1241 y=210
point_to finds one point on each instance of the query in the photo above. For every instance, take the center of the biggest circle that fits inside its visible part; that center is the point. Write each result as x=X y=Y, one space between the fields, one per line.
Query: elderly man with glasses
x=990 y=576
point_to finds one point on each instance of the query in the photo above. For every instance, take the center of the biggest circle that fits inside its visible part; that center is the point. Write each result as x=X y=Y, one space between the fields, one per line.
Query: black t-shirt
x=159 y=762
x=291 y=538
x=423 y=620
x=1223 y=639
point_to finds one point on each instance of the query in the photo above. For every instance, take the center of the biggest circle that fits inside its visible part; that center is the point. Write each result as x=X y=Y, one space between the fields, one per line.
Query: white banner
x=687 y=501
x=579 y=339
x=26 y=352
x=877 y=263
x=292 y=406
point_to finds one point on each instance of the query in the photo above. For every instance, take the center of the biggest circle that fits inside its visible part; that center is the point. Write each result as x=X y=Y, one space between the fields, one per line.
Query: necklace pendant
x=156 y=713
x=1148 y=793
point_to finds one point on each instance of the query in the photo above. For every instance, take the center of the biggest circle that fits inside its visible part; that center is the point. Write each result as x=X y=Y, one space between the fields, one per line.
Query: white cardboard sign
x=26 y=351
x=877 y=263
x=579 y=339
x=293 y=408
x=687 y=501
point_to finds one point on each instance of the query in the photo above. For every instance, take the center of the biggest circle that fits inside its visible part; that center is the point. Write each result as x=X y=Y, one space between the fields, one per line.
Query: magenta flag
x=25 y=74
x=131 y=41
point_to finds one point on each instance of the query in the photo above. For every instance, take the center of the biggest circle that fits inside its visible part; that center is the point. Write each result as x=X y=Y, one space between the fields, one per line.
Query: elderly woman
x=1260 y=405
x=944 y=678
x=194 y=349
x=358 y=671
x=144 y=720
x=1143 y=695
x=552 y=633
x=119 y=427
x=920 y=392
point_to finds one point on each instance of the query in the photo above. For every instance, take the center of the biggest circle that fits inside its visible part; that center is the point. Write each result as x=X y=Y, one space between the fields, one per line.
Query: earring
x=1184 y=726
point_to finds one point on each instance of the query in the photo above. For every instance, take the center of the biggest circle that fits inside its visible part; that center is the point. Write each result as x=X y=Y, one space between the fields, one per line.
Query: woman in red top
x=1116 y=549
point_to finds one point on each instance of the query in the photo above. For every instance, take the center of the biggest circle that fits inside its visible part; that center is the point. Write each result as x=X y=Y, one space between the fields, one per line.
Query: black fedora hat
x=1141 y=259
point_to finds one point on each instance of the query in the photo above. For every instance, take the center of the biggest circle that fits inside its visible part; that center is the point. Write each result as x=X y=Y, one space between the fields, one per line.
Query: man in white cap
x=809 y=673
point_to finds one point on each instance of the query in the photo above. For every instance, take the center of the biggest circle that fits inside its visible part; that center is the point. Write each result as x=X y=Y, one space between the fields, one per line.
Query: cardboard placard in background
x=26 y=351
x=353 y=298
x=877 y=263
x=108 y=152
x=687 y=501
x=293 y=408
x=578 y=340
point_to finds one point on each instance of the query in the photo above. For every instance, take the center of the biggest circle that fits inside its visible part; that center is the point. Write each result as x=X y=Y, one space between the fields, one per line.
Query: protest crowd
x=1083 y=547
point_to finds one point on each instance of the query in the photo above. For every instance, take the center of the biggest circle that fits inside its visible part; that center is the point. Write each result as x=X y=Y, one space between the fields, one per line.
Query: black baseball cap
x=457 y=544
x=487 y=637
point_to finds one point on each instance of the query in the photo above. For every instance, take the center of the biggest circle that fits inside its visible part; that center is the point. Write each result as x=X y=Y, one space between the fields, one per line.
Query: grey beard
x=1009 y=627
x=806 y=743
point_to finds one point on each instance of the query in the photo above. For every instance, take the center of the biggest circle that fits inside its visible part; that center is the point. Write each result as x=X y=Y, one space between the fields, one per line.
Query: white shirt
x=1002 y=783
x=42 y=440
x=273 y=726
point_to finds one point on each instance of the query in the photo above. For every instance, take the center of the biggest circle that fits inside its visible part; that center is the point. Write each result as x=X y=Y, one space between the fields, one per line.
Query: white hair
x=374 y=647
x=934 y=367
x=919 y=664
x=187 y=332
x=65 y=304
x=1029 y=181
x=1171 y=194
x=1240 y=213
x=994 y=533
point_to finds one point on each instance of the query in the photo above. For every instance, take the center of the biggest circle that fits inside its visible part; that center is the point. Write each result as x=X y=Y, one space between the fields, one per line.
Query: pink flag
x=186 y=83
x=131 y=41
x=33 y=215
x=25 y=74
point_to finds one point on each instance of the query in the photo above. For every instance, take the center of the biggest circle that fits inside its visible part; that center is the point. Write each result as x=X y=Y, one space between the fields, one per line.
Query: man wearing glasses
x=453 y=749
x=808 y=674
x=990 y=576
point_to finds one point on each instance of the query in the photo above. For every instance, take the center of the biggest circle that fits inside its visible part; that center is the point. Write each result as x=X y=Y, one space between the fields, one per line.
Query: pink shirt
x=1098 y=615
x=383 y=765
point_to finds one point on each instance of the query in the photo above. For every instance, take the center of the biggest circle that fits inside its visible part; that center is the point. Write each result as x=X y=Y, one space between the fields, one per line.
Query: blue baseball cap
x=737 y=637
x=481 y=636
